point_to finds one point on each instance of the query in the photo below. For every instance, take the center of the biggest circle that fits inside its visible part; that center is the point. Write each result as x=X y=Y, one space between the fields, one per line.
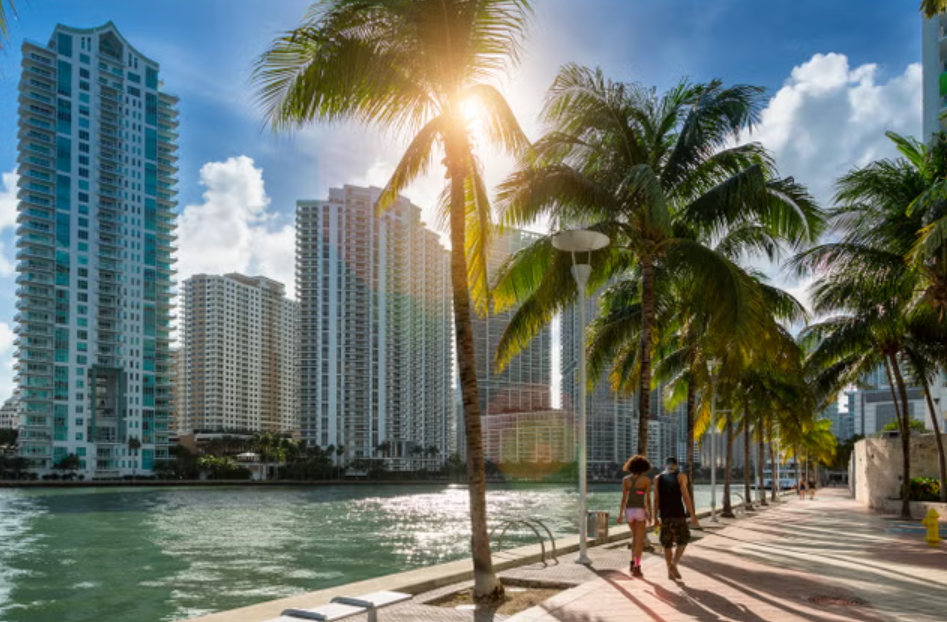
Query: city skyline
x=245 y=183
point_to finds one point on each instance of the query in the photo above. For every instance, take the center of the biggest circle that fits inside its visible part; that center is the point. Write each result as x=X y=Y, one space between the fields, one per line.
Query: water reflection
x=108 y=555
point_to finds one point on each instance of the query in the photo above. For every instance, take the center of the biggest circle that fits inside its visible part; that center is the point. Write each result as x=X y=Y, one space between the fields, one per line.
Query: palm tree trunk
x=486 y=585
x=941 y=460
x=905 y=438
x=647 y=319
x=761 y=463
x=727 y=475
x=691 y=405
x=773 y=460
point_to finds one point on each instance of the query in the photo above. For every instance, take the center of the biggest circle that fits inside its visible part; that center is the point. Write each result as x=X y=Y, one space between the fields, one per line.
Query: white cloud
x=830 y=117
x=233 y=229
x=8 y=201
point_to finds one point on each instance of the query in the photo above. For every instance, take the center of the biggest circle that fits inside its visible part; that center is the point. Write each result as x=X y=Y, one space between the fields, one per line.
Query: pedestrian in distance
x=802 y=491
x=811 y=491
x=673 y=505
x=636 y=506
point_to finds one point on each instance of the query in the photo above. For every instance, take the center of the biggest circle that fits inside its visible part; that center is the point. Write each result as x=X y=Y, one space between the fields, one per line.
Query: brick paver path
x=827 y=560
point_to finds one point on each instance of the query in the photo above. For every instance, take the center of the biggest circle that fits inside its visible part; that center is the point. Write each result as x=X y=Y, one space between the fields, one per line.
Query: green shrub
x=925 y=489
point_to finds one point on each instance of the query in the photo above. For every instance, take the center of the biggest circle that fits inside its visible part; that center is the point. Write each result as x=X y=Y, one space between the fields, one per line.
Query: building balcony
x=33 y=317
x=33 y=330
x=27 y=251
x=35 y=265
x=35 y=304
x=35 y=356
x=35 y=213
x=35 y=57
x=164 y=152
x=36 y=239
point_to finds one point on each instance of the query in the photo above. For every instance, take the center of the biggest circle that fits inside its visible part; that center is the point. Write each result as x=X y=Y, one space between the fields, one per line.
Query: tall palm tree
x=416 y=66
x=925 y=350
x=657 y=175
x=866 y=289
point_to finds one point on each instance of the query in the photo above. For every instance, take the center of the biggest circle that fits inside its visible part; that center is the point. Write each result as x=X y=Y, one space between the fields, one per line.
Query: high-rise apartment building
x=10 y=414
x=97 y=153
x=240 y=371
x=375 y=329
x=525 y=384
x=934 y=57
x=611 y=418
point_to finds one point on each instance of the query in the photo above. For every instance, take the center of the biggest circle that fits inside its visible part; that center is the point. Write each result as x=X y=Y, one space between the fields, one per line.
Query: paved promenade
x=827 y=560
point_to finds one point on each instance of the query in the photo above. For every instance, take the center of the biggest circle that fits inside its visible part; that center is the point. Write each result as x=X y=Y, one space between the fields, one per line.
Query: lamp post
x=572 y=242
x=713 y=447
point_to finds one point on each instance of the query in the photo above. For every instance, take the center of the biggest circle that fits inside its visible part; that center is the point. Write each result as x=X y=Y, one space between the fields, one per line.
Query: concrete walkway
x=827 y=560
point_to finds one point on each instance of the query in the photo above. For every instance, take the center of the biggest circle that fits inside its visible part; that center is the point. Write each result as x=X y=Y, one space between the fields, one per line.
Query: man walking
x=671 y=496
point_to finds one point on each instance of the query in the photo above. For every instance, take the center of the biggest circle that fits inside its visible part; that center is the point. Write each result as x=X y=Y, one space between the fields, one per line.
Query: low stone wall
x=876 y=472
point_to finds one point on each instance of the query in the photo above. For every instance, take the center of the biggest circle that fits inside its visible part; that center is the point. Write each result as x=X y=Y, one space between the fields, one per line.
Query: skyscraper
x=375 y=329
x=612 y=421
x=525 y=384
x=240 y=371
x=934 y=57
x=97 y=157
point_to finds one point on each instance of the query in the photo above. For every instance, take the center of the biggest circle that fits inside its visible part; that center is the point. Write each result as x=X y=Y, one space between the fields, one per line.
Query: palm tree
x=134 y=444
x=930 y=8
x=417 y=66
x=655 y=174
x=867 y=289
x=7 y=10
x=925 y=347
x=416 y=452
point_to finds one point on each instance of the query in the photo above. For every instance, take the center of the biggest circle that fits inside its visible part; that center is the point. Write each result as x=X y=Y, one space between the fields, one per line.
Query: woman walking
x=636 y=506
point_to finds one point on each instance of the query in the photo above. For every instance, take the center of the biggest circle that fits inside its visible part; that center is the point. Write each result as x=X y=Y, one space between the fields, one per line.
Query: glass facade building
x=95 y=237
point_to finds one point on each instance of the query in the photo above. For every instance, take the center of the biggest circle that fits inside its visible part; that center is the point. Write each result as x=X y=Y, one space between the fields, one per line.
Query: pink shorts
x=635 y=514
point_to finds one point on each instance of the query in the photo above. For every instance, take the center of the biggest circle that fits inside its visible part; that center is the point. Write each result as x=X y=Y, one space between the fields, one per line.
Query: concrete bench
x=343 y=607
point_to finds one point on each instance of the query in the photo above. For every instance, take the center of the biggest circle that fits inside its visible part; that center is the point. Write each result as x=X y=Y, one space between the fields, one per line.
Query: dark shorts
x=675 y=532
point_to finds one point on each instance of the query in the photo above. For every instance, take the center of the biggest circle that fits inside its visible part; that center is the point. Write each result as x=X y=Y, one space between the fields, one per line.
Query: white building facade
x=375 y=345
x=239 y=356
x=10 y=414
x=97 y=153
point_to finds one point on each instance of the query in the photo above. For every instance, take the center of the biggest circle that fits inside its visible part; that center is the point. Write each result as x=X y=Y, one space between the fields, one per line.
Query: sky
x=838 y=74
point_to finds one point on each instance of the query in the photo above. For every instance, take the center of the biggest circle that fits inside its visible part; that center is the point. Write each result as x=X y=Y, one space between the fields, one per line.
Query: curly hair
x=637 y=465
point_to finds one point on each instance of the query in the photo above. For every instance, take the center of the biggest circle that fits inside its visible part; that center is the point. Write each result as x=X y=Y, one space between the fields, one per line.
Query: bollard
x=597 y=526
x=933 y=527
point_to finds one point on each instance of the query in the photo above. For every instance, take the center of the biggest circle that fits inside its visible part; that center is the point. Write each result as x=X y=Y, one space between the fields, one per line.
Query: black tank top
x=670 y=498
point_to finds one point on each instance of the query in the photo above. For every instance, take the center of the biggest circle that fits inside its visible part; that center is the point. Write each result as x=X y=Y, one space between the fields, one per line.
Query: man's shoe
x=636 y=572
x=677 y=573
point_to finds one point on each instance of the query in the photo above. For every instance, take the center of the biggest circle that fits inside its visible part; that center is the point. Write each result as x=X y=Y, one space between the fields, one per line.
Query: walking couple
x=671 y=495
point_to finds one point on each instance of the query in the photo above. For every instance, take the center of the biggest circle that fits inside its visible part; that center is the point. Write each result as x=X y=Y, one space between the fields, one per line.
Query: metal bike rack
x=533 y=524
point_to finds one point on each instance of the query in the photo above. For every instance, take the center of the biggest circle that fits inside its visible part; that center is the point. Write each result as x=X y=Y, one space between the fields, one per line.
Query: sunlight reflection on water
x=111 y=555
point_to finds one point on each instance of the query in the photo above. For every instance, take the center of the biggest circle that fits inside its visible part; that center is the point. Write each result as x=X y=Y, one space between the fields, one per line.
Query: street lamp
x=573 y=242
x=713 y=447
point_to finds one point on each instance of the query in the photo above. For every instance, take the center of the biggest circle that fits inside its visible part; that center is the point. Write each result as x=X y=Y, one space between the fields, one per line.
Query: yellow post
x=933 y=527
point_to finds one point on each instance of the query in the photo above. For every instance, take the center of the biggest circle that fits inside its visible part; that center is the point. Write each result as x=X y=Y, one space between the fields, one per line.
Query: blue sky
x=839 y=73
